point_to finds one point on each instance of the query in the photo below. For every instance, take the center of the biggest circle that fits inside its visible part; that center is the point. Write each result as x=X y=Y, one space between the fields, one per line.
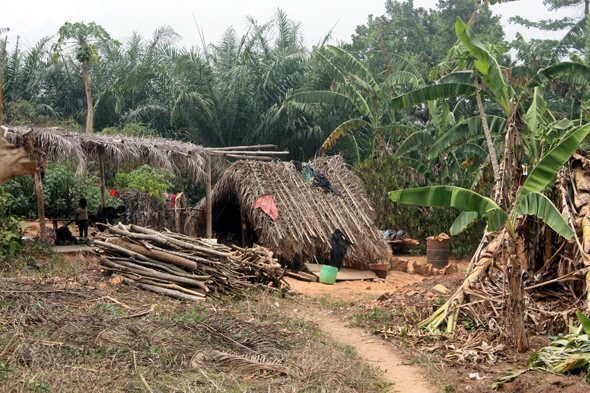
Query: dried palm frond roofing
x=307 y=215
x=62 y=145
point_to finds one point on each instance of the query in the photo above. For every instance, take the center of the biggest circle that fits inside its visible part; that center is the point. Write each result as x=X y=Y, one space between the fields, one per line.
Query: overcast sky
x=33 y=19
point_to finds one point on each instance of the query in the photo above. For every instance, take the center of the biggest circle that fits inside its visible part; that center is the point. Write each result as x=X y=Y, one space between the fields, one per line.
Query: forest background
x=240 y=91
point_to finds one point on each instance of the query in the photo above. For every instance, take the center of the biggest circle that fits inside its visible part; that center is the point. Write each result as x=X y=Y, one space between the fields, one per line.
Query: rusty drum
x=437 y=252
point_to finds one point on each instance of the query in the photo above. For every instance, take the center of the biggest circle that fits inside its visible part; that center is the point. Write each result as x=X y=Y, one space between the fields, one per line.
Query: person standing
x=82 y=218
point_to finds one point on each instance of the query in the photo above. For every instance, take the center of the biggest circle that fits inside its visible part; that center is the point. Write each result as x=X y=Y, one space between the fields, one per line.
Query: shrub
x=130 y=129
x=386 y=174
x=145 y=179
x=61 y=190
x=11 y=229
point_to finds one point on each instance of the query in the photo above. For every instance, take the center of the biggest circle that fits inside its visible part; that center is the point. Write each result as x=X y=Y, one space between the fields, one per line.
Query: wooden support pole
x=103 y=199
x=243 y=157
x=247 y=152
x=242 y=147
x=177 y=217
x=38 y=189
x=208 y=207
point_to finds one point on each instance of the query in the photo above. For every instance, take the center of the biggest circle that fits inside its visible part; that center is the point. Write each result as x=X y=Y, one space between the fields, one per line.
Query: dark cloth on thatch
x=146 y=211
x=308 y=216
x=338 y=243
x=321 y=181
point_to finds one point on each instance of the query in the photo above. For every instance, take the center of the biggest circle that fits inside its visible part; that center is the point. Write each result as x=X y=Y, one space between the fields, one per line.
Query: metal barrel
x=437 y=253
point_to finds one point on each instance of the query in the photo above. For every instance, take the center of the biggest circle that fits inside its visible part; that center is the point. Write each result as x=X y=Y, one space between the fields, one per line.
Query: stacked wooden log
x=183 y=267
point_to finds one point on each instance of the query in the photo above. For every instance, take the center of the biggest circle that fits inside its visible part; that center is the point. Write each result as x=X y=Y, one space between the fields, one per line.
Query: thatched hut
x=307 y=215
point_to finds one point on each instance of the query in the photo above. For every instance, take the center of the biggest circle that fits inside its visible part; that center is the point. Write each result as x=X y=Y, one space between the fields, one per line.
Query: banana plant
x=360 y=93
x=530 y=201
x=478 y=73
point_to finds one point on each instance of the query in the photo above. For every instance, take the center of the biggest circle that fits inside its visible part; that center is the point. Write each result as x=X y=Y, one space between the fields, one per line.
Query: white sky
x=33 y=19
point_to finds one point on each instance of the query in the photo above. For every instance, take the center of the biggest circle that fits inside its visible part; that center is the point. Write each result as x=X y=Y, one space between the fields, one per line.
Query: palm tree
x=83 y=37
x=2 y=31
x=230 y=93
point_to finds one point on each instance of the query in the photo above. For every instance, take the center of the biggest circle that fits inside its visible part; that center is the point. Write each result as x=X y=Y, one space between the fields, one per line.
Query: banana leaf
x=395 y=129
x=401 y=64
x=355 y=65
x=460 y=77
x=464 y=221
x=545 y=170
x=420 y=167
x=470 y=149
x=465 y=130
x=341 y=131
x=558 y=70
x=326 y=97
x=538 y=205
x=429 y=93
x=457 y=197
x=485 y=63
x=413 y=141
x=584 y=321
x=403 y=78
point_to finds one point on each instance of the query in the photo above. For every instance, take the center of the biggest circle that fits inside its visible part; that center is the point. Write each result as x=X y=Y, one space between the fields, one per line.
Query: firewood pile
x=184 y=267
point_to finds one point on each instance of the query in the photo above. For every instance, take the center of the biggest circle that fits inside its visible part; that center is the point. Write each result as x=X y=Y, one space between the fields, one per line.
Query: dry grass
x=63 y=333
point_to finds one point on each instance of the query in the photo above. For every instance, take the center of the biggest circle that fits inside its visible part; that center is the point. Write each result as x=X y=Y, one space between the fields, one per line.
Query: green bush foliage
x=145 y=179
x=25 y=113
x=130 y=129
x=385 y=174
x=62 y=191
x=11 y=229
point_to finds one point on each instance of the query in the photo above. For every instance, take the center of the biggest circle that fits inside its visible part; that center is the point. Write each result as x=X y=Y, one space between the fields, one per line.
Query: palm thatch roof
x=62 y=145
x=307 y=215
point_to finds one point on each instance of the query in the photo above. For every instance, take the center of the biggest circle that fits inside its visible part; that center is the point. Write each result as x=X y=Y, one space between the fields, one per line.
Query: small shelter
x=308 y=216
x=57 y=144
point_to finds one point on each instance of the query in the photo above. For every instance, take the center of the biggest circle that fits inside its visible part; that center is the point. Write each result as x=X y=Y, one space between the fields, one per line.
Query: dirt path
x=406 y=378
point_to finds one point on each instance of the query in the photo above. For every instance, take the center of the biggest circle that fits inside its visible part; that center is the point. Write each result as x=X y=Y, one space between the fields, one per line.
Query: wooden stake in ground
x=103 y=200
x=38 y=189
x=208 y=207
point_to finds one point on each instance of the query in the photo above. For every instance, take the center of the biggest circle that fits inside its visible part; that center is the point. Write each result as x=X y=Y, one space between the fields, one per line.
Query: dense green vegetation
x=399 y=101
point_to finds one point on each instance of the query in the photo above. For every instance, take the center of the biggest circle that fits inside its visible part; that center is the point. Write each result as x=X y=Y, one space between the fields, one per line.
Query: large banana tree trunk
x=90 y=116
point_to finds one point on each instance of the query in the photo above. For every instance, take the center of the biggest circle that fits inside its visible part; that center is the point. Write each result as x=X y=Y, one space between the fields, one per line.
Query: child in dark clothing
x=82 y=218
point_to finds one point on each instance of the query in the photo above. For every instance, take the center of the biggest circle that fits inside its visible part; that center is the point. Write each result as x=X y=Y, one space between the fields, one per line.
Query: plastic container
x=328 y=274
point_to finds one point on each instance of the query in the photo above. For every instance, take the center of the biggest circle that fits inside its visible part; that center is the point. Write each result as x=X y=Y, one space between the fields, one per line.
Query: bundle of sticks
x=184 y=267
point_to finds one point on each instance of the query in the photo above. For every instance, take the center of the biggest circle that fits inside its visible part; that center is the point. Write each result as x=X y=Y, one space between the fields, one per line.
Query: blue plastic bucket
x=328 y=274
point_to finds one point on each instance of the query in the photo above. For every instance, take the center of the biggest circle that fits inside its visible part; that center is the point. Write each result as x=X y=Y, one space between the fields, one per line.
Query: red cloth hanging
x=173 y=201
x=266 y=203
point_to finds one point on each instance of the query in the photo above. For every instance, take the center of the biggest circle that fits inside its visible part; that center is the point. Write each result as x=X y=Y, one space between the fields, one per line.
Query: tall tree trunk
x=90 y=116
x=490 y=143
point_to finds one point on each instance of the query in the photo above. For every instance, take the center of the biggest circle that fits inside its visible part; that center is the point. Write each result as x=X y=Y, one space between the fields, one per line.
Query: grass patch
x=58 y=337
